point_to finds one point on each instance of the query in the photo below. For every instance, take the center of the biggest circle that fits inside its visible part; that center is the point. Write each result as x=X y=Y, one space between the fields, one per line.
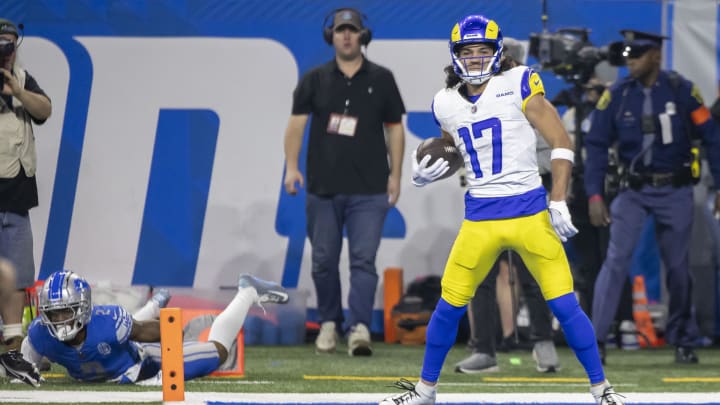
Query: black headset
x=365 y=32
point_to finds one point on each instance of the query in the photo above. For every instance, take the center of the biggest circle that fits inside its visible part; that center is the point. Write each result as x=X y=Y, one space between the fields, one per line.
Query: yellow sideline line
x=486 y=379
x=53 y=375
x=690 y=379
x=353 y=378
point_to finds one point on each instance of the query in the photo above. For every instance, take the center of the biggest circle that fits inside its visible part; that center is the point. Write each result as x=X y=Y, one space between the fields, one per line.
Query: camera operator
x=655 y=117
x=22 y=102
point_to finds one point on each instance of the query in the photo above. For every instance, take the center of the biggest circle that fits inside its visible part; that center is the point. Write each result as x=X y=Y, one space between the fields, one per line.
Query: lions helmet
x=65 y=291
x=476 y=29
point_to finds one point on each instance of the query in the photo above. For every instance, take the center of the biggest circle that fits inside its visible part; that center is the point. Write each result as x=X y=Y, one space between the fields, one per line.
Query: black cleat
x=16 y=366
x=685 y=355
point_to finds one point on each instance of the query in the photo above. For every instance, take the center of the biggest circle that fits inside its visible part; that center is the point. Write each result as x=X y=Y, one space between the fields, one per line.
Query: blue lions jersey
x=107 y=353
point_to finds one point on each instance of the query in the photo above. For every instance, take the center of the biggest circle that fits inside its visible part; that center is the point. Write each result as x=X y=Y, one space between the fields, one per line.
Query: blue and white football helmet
x=65 y=291
x=476 y=29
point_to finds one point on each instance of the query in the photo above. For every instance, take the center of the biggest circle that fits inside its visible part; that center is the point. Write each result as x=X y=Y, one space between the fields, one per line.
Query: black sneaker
x=16 y=366
x=685 y=355
x=508 y=344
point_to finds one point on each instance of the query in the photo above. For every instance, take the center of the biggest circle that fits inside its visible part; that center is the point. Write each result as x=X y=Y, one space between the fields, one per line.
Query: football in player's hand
x=440 y=148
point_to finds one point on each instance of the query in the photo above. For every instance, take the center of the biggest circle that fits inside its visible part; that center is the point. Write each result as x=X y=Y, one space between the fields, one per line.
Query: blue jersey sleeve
x=121 y=318
x=37 y=334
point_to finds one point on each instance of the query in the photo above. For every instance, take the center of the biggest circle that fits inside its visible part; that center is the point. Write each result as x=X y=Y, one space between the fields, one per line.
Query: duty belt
x=658 y=179
x=637 y=180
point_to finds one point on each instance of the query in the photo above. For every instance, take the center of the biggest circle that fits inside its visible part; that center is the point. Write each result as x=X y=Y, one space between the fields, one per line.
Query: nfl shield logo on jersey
x=103 y=348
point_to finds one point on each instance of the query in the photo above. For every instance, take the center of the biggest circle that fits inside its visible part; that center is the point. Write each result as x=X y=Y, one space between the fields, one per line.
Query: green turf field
x=291 y=369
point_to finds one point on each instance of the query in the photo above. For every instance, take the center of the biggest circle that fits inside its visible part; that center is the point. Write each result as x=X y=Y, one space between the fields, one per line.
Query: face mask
x=7 y=47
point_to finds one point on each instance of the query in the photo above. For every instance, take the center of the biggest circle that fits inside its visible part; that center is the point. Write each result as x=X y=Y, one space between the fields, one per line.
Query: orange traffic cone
x=643 y=320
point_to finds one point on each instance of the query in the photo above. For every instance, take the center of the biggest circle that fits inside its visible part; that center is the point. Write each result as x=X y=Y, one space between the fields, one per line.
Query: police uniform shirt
x=339 y=164
x=618 y=118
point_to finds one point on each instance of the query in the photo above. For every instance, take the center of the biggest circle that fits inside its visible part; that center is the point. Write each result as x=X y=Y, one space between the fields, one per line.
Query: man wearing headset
x=354 y=161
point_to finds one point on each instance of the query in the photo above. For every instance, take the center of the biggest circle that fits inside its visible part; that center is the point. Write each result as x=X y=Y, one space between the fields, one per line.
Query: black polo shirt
x=338 y=164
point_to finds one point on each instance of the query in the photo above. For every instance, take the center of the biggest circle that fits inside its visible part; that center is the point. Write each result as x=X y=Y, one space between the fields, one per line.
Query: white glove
x=422 y=174
x=561 y=221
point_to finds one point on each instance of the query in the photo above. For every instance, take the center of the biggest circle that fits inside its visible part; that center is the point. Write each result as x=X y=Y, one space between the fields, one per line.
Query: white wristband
x=562 y=153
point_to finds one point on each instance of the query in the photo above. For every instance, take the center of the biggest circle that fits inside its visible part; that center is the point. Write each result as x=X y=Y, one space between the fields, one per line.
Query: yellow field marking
x=486 y=379
x=534 y=379
x=53 y=375
x=353 y=378
x=690 y=379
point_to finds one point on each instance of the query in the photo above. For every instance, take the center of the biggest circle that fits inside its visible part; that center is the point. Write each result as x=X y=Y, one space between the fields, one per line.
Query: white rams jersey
x=495 y=139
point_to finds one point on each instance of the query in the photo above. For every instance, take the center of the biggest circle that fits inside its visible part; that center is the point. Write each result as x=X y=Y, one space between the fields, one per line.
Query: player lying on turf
x=104 y=343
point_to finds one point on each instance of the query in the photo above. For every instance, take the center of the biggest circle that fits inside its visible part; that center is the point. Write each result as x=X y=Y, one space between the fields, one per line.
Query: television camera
x=570 y=54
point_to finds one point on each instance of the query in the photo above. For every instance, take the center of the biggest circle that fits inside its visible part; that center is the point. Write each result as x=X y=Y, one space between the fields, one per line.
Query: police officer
x=654 y=116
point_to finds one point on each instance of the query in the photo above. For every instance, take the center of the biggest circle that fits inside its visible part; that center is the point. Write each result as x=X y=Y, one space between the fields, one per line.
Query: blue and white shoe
x=608 y=396
x=162 y=297
x=409 y=397
x=267 y=291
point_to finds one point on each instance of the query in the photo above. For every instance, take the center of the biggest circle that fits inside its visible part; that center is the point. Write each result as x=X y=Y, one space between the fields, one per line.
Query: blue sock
x=579 y=334
x=441 y=335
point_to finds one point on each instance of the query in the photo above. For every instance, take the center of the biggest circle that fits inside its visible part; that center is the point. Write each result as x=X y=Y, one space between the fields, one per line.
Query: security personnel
x=654 y=116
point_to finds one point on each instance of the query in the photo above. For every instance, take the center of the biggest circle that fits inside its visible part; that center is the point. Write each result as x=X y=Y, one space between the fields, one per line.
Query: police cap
x=638 y=42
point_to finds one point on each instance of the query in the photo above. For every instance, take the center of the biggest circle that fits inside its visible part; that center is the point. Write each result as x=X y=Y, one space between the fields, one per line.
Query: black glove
x=14 y=365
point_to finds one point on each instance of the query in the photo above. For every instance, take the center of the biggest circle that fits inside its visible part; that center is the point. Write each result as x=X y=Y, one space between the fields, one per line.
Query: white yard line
x=343 y=398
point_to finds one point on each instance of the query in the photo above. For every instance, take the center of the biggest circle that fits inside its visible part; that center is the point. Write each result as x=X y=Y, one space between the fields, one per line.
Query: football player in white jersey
x=104 y=343
x=488 y=110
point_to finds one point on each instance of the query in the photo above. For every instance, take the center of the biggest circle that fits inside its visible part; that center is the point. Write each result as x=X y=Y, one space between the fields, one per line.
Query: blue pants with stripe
x=672 y=208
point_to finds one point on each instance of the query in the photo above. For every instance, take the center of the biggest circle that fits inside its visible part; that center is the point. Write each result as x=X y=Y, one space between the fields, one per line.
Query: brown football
x=440 y=148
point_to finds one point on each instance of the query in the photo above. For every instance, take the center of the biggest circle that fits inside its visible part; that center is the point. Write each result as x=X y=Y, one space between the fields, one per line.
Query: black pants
x=590 y=245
